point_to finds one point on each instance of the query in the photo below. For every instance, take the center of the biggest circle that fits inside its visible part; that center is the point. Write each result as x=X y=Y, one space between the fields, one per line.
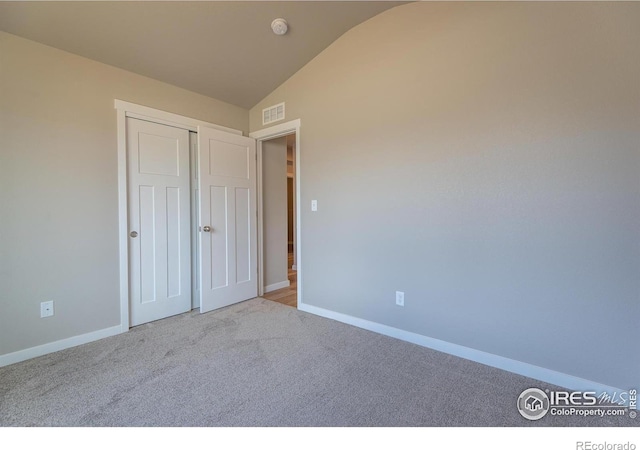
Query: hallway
x=289 y=295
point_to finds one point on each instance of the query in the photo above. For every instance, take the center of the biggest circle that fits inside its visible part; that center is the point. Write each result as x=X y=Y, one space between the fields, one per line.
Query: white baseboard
x=276 y=286
x=510 y=365
x=44 y=349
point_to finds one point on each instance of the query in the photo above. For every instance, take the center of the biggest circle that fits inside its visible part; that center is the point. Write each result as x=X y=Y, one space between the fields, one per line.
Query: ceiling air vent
x=273 y=113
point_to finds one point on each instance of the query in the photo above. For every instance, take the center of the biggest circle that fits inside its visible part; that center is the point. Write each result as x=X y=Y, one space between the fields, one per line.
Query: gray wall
x=484 y=158
x=274 y=182
x=58 y=186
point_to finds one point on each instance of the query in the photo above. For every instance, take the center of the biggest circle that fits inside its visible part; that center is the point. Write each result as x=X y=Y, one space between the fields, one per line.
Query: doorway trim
x=260 y=136
x=124 y=110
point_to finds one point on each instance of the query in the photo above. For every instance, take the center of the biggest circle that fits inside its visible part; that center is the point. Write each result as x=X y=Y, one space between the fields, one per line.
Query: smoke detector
x=279 y=26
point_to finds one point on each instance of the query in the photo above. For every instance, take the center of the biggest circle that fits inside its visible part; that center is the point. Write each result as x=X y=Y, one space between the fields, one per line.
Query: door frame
x=124 y=110
x=260 y=136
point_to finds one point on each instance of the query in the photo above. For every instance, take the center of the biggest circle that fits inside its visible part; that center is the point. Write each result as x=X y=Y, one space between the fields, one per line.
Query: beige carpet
x=259 y=363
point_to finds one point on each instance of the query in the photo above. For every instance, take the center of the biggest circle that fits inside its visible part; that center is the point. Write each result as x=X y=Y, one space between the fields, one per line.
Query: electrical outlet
x=399 y=298
x=46 y=309
x=314 y=205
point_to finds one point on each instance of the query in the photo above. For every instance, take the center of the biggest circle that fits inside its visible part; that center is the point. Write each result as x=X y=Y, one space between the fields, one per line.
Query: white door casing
x=228 y=218
x=159 y=220
x=283 y=129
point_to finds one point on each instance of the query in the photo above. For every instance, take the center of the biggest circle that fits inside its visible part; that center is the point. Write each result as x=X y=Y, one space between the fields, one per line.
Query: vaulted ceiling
x=225 y=50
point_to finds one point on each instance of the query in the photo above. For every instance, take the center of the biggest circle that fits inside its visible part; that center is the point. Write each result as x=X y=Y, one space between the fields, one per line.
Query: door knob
x=206 y=228
x=133 y=234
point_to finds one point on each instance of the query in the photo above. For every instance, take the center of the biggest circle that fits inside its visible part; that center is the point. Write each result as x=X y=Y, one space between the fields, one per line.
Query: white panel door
x=228 y=218
x=195 y=235
x=159 y=221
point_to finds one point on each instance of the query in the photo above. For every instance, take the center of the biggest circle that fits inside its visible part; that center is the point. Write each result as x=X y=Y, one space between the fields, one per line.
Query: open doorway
x=279 y=220
x=291 y=128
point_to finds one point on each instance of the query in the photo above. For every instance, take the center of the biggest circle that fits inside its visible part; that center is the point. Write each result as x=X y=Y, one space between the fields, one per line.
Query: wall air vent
x=273 y=113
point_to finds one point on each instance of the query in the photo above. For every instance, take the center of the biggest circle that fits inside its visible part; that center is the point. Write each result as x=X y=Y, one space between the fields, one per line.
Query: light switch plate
x=314 y=205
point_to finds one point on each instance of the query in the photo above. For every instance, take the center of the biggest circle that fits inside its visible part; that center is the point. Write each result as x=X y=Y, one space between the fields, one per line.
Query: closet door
x=159 y=220
x=228 y=218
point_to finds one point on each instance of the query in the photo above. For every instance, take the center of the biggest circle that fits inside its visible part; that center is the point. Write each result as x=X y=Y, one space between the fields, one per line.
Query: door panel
x=195 y=235
x=158 y=186
x=173 y=242
x=219 y=249
x=228 y=206
x=243 y=238
x=146 y=273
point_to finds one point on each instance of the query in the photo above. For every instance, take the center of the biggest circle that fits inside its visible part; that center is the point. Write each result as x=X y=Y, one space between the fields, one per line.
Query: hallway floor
x=289 y=295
